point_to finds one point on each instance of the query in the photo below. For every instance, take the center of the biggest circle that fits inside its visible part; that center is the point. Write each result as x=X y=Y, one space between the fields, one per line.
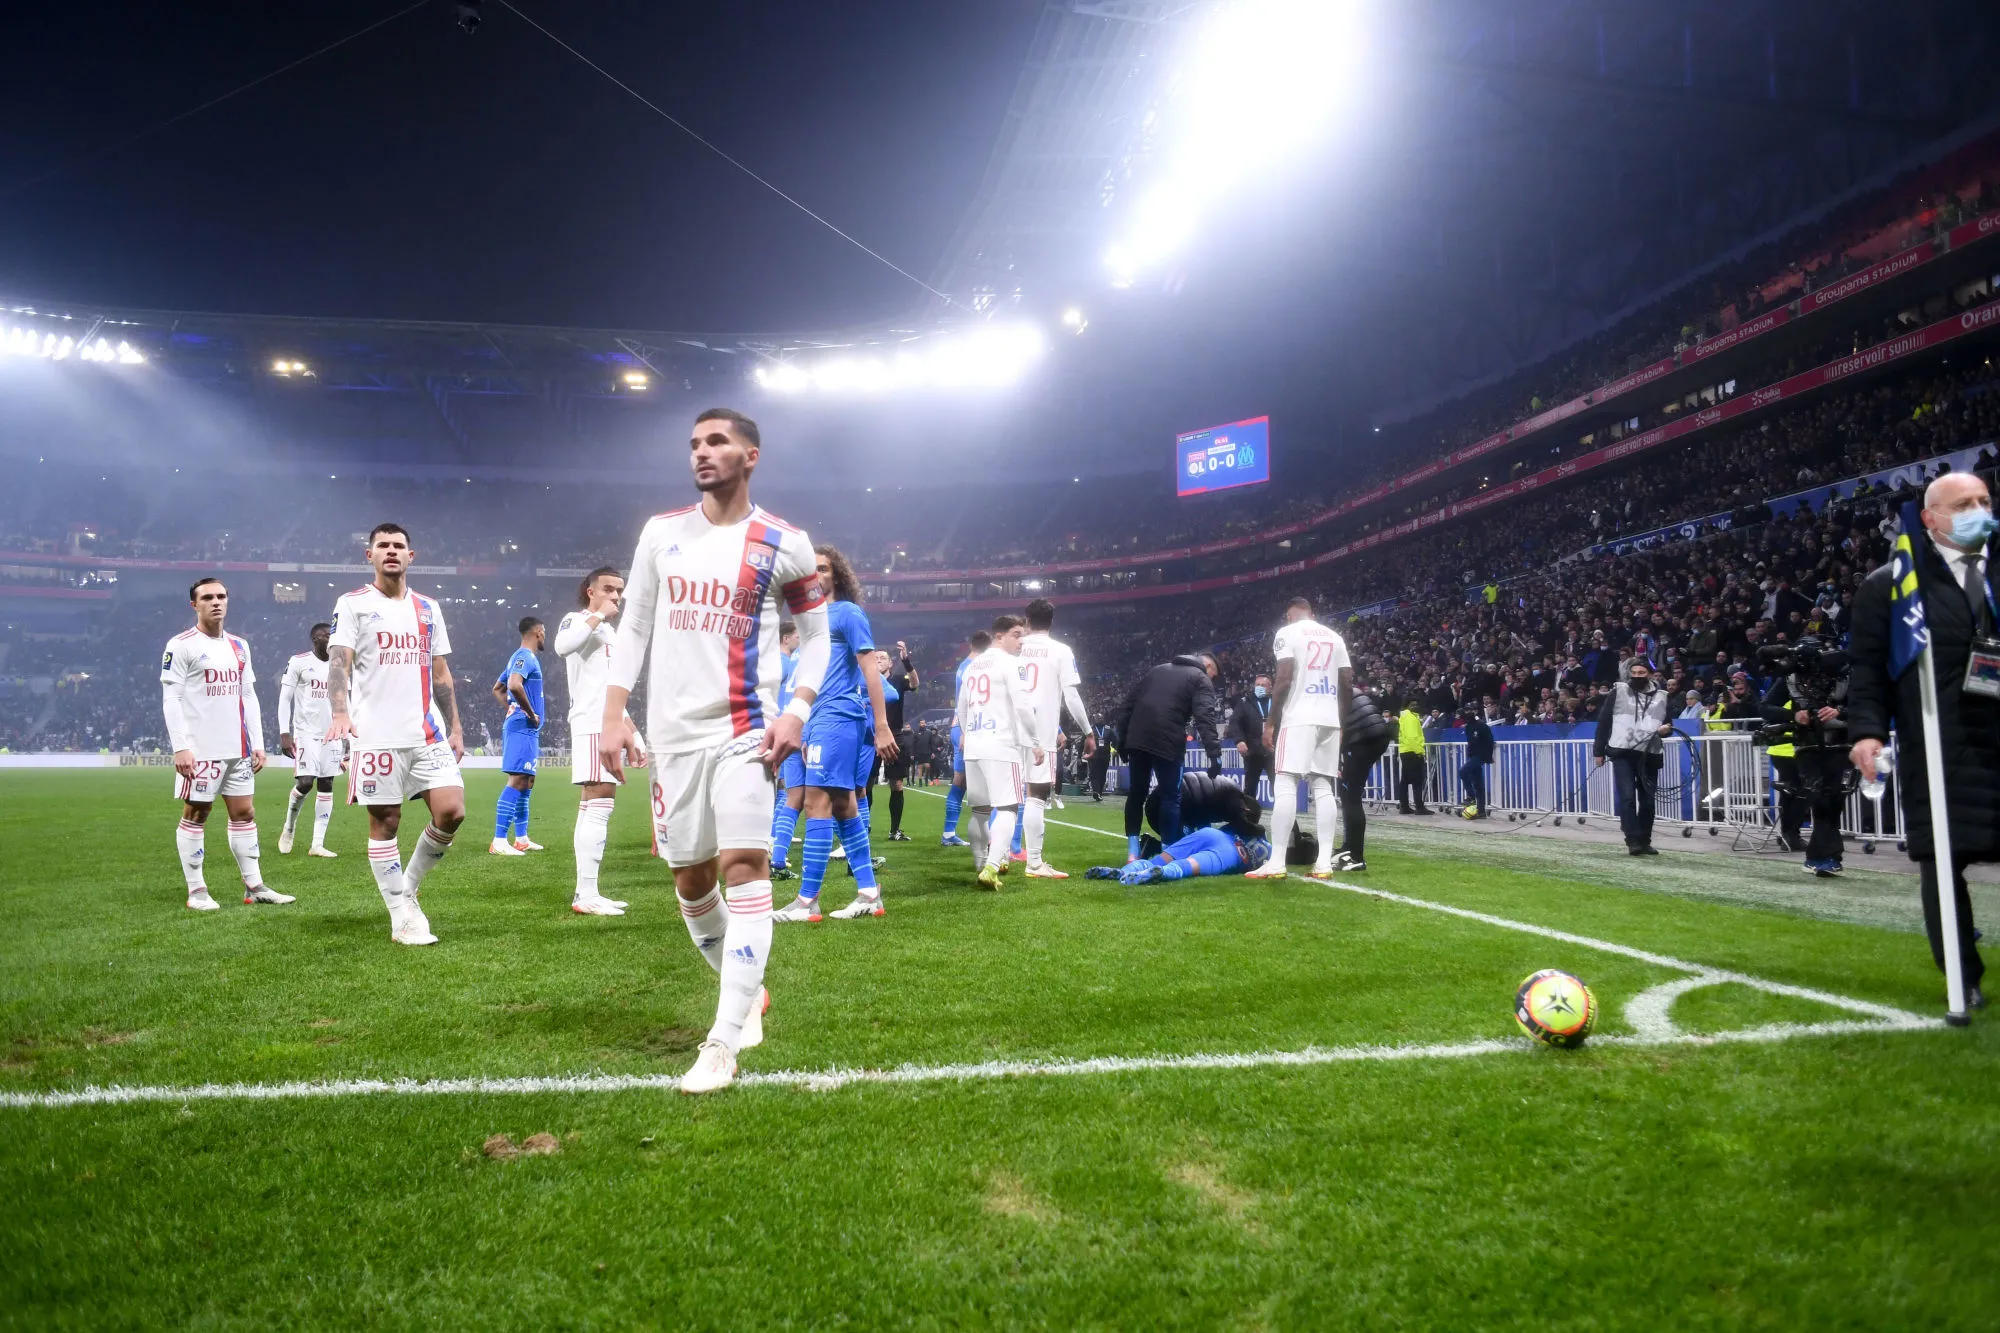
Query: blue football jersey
x=528 y=667
x=788 y=670
x=843 y=690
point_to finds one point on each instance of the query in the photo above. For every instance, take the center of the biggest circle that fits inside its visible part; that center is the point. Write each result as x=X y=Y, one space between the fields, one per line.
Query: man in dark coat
x=1152 y=726
x=1365 y=735
x=1246 y=728
x=1955 y=571
x=1478 y=755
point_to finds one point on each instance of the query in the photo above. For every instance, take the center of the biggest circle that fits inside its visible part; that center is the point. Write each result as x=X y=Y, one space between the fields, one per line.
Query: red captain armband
x=804 y=594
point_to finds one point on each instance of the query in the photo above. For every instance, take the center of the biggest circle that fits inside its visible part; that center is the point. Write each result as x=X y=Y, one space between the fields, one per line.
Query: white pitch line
x=1887 y=1013
x=828 y=1080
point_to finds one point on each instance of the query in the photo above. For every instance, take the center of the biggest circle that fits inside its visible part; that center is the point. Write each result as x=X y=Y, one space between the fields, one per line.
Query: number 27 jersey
x=1317 y=655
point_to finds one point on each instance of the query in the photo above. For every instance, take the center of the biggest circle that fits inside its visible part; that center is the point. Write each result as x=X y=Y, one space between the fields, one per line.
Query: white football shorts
x=317 y=758
x=1034 y=772
x=1307 y=750
x=586 y=766
x=713 y=800
x=992 y=782
x=393 y=776
x=216 y=777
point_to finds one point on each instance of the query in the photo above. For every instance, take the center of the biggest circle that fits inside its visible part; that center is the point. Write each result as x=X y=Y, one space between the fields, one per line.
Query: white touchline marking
x=1713 y=975
x=828 y=1080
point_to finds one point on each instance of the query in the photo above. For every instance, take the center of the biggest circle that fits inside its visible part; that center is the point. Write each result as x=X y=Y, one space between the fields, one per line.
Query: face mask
x=1970 y=527
x=1642 y=682
x=1260 y=692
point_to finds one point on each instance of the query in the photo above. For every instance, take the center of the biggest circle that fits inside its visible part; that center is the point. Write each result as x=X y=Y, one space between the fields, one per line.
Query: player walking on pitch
x=583 y=641
x=217 y=731
x=997 y=719
x=391 y=650
x=519 y=686
x=1310 y=697
x=302 y=721
x=702 y=599
x=1048 y=669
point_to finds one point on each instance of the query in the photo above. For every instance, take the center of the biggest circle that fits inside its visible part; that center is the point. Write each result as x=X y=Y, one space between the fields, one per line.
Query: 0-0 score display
x=1215 y=459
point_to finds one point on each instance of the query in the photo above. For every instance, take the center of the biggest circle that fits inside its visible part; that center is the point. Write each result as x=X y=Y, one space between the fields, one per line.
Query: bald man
x=1955 y=571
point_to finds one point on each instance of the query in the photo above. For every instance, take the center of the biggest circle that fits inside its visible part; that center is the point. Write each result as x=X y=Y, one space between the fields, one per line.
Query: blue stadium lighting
x=1258 y=84
x=989 y=357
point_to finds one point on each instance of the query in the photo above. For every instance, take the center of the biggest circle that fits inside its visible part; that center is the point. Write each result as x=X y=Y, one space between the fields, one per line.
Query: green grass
x=1837 y=1182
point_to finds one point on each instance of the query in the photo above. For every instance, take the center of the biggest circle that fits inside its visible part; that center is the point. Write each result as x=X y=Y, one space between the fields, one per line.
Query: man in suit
x=1153 y=725
x=1954 y=568
x=1246 y=725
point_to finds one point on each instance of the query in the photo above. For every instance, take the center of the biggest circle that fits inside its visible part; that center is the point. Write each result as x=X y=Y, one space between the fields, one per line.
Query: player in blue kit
x=1208 y=851
x=954 y=800
x=838 y=752
x=520 y=688
x=792 y=773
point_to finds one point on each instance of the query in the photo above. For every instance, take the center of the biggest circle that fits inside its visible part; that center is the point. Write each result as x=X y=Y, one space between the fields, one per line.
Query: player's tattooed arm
x=339 y=667
x=445 y=691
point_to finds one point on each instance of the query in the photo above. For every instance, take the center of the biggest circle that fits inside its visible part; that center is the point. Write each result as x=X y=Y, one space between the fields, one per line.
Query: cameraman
x=1365 y=736
x=1631 y=731
x=1809 y=701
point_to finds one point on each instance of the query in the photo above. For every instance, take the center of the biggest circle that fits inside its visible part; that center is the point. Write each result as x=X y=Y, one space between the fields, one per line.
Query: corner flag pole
x=1947 y=893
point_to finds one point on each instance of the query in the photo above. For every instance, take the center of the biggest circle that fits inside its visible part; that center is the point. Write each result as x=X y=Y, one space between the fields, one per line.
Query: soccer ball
x=1555 y=1008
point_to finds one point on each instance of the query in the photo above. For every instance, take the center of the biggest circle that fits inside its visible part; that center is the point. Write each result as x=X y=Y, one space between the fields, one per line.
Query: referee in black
x=901 y=673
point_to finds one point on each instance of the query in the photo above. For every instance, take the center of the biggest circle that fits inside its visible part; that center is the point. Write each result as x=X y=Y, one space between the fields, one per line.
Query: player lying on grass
x=1209 y=851
x=1205 y=801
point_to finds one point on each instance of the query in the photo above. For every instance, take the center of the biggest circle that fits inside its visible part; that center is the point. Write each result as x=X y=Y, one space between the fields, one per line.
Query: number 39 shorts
x=393 y=776
x=713 y=800
x=216 y=777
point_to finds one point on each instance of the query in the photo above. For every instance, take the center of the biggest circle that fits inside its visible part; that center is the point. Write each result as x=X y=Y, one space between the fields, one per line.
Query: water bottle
x=1885 y=764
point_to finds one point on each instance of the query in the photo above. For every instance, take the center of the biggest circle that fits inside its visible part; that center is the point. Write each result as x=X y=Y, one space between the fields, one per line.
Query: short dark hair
x=1300 y=604
x=1041 y=614
x=396 y=528
x=787 y=627
x=979 y=640
x=744 y=425
x=528 y=623
x=197 y=584
x=1005 y=621
x=318 y=626
x=590 y=581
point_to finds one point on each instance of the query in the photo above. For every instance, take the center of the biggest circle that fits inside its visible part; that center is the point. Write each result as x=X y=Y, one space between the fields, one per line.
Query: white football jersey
x=206 y=691
x=996 y=717
x=1048 y=669
x=394 y=640
x=1318 y=656
x=302 y=706
x=704 y=600
x=586 y=653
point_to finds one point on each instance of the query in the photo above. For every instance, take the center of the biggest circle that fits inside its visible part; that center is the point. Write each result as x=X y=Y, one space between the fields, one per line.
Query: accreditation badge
x=1982 y=668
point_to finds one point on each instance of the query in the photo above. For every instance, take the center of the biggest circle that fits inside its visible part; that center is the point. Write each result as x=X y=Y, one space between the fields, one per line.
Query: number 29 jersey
x=1317 y=656
x=996 y=717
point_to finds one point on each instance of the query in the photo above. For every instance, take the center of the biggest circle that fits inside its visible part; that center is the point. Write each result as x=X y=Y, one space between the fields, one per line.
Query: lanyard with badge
x=1982 y=666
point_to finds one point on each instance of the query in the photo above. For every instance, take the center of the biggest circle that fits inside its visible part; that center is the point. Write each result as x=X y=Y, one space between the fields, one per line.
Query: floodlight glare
x=986 y=357
x=61 y=347
x=636 y=380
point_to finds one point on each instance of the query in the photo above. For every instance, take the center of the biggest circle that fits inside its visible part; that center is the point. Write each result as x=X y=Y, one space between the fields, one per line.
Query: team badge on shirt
x=757 y=555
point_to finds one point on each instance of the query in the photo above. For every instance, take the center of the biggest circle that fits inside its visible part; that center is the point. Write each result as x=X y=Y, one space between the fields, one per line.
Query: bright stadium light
x=1073 y=319
x=635 y=380
x=1259 y=82
x=988 y=357
x=61 y=347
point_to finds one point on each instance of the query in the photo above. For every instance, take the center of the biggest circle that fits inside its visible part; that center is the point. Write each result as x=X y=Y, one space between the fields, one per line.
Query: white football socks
x=187 y=842
x=387 y=865
x=292 y=804
x=746 y=946
x=707 y=921
x=1284 y=813
x=1001 y=836
x=322 y=814
x=1326 y=818
x=976 y=826
x=430 y=849
x=1034 y=828
x=593 y=829
x=243 y=846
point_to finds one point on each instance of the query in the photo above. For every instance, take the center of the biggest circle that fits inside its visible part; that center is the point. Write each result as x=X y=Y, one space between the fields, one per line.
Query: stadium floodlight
x=1073 y=319
x=61 y=347
x=1258 y=82
x=636 y=380
x=987 y=357
x=289 y=368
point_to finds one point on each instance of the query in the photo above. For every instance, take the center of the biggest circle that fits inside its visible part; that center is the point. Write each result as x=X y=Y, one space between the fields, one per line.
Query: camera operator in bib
x=1631 y=731
x=1805 y=711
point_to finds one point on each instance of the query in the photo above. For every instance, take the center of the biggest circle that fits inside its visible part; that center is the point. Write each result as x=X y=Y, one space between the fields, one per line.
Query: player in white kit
x=1048 y=669
x=583 y=641
x=702 y=597
x=996 y=718
x=217 y=731
x=1315 y=682
x=392 y=699
x=302 y=722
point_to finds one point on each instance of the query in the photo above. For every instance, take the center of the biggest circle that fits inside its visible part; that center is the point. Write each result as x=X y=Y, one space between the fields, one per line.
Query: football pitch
x=1211 y=1104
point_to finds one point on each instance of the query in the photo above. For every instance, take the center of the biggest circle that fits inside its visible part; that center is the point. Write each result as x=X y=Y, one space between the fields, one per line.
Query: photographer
x=1365 y=737
x=1805 y=714
x=1632 y=728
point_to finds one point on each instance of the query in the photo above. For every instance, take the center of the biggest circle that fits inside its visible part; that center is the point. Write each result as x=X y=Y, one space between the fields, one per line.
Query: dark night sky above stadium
x=419 y=172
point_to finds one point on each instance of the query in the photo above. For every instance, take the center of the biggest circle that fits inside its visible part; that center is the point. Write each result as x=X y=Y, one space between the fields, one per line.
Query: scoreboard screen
x=1238 y=454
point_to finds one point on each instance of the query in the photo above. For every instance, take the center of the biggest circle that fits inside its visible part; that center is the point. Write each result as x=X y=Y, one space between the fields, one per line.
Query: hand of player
x=457 y=739
x=1039 y=753
x=1864 y=754
x=1270 y=736
x=534 y=721
x=781 y=741
x=611 y=750
x=285 y=745
x=184 y=763
x=257 y=761
x=885 y=744
x=341 y=729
